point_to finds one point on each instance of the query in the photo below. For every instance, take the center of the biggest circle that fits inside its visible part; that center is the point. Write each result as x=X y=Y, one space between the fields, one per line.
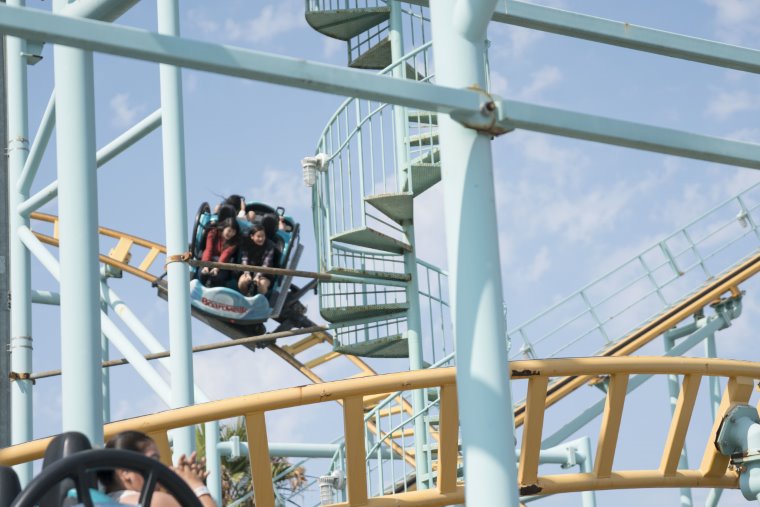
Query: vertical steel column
x=459 y=29
x=80 y=269
x=20 y=271
x=674 y=388
x=104 y=355
x=175 y=210
x=713 y=497
x=413 y=319
x=5 y=288
x=414 y=340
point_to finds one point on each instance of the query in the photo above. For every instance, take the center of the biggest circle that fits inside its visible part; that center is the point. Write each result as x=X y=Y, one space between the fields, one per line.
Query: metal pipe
x=45 y=297
x=80 y=271
x=213 y=463
x=175 y=210
x=114 y=334
x=284 y=450
x=587 y=467
x=20 y=272
x=41 y=140
x=104 y=354
x=475 y=288
x=104 y=155
x=199 y=348
x=147 y=45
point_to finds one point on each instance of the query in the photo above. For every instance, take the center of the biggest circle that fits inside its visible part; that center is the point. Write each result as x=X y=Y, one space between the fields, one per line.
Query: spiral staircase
x=378 y=159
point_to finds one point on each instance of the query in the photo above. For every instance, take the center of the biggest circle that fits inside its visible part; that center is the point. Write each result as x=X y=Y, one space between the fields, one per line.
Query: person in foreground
x=123 y=486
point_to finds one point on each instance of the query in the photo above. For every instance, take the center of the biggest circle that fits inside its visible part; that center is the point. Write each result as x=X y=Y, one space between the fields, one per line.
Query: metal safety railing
x=629 y=295
x=359 y=140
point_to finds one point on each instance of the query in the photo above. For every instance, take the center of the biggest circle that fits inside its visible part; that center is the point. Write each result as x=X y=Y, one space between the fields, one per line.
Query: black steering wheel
x=77 y=465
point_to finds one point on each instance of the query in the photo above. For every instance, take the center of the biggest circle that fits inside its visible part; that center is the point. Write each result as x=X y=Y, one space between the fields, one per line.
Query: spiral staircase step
x=426 y=139
x=349 y=313
x=377 y=57
x=424 y=176
x=396 y=206
x=389 y=346
x=370 y=238
x=346 y=23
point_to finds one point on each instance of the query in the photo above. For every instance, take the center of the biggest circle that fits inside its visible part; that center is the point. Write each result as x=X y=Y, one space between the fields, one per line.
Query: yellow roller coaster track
x=711 y=292
x=120 y=256
x=713 y=472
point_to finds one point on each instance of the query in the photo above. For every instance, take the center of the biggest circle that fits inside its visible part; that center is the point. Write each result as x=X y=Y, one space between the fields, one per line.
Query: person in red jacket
x=221 y=246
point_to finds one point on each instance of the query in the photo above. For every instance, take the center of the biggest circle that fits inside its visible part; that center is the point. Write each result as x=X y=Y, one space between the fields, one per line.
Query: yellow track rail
x=120 y=256
x=713 y=471
x=709 y=293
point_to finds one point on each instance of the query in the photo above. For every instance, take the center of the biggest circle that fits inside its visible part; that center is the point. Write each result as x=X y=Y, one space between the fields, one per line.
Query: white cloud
x=540 y=265
x=281 y=187
x=332 y=47
x=737 y=21
x=124 y=112
x=728 y=103
x=499 y=83
x=517 y=42
x=273 y=20
x=544 y=78
x=200 y=19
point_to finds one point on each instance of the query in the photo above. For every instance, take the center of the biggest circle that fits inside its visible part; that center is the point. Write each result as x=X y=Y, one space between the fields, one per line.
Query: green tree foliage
x=236 y=472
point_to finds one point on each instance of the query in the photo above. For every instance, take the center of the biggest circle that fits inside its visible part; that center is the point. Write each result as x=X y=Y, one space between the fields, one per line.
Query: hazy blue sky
x=568 y=210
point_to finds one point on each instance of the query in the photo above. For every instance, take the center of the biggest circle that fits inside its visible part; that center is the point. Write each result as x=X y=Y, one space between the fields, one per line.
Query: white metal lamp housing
x=310 y=167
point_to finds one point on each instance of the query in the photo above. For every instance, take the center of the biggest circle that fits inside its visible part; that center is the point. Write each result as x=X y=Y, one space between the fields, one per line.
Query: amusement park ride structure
x=426 y=436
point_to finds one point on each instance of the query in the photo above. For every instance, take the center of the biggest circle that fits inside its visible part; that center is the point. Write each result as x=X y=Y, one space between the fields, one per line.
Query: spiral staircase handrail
x=351 y=100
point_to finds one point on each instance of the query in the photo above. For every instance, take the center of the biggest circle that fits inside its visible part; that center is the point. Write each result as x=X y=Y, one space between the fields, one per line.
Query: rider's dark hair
x=126 y=441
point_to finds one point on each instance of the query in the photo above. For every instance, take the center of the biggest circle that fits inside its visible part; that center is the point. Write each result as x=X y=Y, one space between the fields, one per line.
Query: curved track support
x=713 y=473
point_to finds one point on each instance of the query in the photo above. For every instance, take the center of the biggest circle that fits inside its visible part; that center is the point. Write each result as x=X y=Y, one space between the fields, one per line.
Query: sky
x=568 y=210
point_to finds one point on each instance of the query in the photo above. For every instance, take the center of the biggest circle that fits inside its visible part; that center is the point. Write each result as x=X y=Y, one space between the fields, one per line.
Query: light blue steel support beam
x=175 y=210
x=475 y=287
x=283 y=450
x=114 y=334
x=104 y=155
x=512 y=114
x=713 y=324
x=715 y=391
x=211 y=433
x=416 y=362
x=232 y=61
x=567 y=454
x=39 y=145
x=622 y=34
x=414 y=322
x=102 y=10
x=80 y=270
x=143 y=333
x=213 y=463
x=20 y=271
x=587 y=467
x=630 y=36
x=44 y=297
x=715 y=394
x=674 y=388
x=248 y=64
x=104 y=356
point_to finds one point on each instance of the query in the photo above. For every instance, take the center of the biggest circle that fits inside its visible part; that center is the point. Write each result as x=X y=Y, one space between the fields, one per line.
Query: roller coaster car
x=227 y=303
